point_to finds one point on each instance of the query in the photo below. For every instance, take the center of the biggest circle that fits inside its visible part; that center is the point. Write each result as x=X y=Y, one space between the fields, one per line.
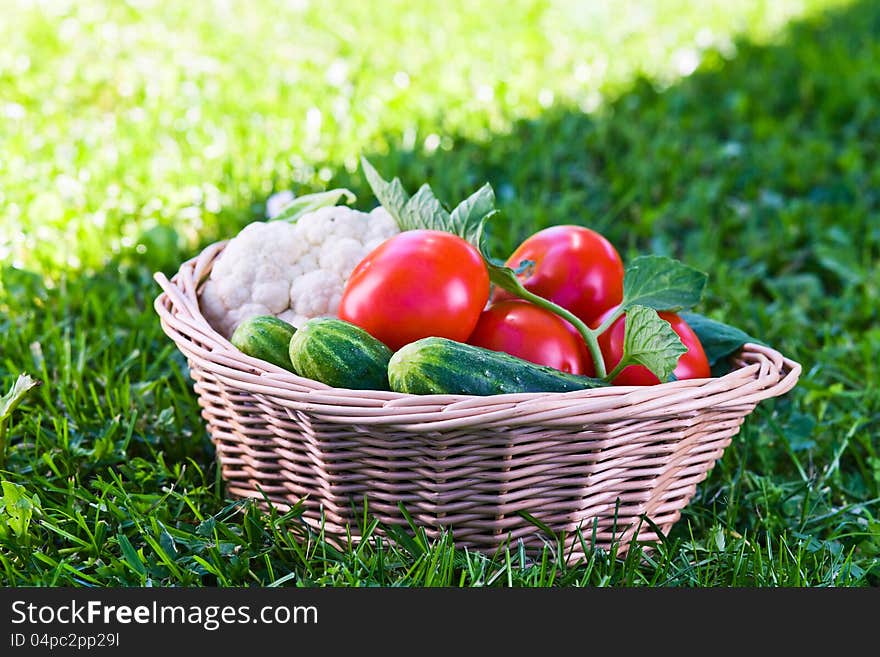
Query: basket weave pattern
x=596 y=460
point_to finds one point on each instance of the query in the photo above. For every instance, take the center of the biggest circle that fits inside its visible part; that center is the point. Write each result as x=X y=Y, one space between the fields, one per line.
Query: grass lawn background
x=739 y=137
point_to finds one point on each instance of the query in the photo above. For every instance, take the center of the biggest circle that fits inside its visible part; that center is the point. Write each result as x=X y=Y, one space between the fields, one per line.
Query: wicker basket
x=599 y=461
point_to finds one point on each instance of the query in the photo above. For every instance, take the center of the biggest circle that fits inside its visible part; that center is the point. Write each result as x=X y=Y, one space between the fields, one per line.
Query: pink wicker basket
x=599 y=461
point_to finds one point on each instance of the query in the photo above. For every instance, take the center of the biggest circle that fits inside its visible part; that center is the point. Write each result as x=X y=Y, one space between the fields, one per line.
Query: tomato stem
x=604 y=326
x=590 y=337
x=617 y=370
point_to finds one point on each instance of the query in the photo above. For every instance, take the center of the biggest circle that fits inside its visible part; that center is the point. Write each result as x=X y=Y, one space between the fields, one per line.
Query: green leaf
x=166 y=541
x=130 y=554
x=719 y=340
x=662 y=283
x=650 y=341
x=391 y=195
x=310 y=202
x=424 y=211
x=17 y=507
x=469 y=217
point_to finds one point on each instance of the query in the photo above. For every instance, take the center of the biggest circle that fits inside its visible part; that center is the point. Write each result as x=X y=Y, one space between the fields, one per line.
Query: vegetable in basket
x=572 y=266
x=417 y=284
x=569 y=307
x=692 y=364
x=294 y=266
x=440 y=366
x=265 y=337
x=339 y=354
x=535 y=334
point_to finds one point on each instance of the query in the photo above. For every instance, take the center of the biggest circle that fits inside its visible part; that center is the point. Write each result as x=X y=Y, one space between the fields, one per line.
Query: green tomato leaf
x=719 y=340
x=650 y=341
x=391 y=195
x=662 y=283
x=310 y=202
x=425 y=211
x=470 y=216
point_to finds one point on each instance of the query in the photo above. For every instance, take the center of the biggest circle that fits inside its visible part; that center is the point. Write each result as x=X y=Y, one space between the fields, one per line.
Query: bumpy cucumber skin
x=265 y=337
x=440 y=366
x=340 y=354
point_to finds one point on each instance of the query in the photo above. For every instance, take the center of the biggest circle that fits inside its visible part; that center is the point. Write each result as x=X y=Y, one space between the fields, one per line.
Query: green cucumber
x=340 y=354
x=441 y=366
x=265 y=337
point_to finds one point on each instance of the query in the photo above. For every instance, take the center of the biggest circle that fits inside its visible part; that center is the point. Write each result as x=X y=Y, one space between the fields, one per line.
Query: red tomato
x=532 y=333
x=692 y=364
x=417 y=284
x=575 y=267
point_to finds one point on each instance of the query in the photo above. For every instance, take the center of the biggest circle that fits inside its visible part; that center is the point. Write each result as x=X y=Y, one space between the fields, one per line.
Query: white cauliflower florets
x=293 y=271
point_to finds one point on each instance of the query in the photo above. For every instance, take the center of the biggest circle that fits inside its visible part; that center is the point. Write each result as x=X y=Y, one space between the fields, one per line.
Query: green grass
x=134 y=133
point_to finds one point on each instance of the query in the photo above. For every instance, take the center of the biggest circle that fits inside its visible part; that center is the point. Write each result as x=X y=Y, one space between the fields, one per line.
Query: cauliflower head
x=294 y=271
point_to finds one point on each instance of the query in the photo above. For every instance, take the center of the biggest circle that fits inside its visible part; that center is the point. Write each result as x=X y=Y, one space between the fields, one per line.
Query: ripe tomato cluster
x=424 y=283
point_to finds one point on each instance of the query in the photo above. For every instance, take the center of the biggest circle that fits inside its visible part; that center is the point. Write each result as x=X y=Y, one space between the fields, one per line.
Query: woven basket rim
x=180 y=316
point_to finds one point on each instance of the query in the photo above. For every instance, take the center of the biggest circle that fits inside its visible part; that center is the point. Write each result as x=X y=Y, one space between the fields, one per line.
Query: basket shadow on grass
x=752 y=170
